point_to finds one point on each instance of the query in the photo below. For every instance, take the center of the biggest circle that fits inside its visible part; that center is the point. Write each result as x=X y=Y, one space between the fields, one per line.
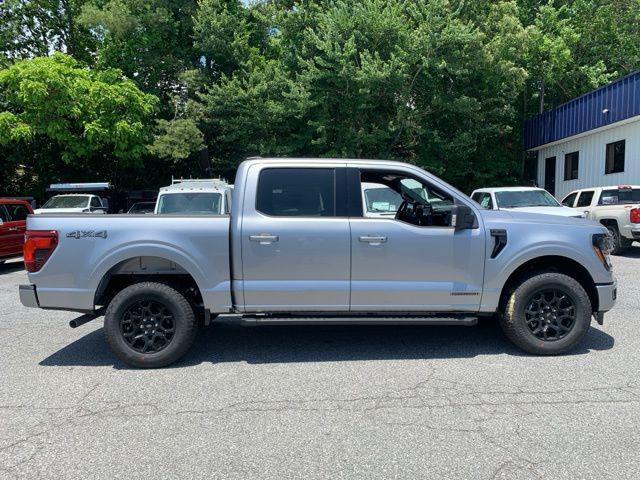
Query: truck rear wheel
x=547 y=314
x=149 y=325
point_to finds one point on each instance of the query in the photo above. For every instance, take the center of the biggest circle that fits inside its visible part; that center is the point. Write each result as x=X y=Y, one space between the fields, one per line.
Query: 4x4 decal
x=87 y=234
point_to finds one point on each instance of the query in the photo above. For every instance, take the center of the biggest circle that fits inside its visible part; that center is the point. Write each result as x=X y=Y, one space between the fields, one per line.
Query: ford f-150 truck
x=297 y=248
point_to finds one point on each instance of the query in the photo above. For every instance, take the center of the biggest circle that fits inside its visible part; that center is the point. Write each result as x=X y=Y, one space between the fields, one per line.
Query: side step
x=448 y=319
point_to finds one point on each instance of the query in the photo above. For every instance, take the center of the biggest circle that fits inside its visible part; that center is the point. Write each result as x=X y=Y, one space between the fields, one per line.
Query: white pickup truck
x=617 y=208
x=195 y=197
x=73 y=203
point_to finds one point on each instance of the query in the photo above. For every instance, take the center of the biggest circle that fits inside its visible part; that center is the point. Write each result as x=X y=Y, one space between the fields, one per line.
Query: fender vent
x=500 y=236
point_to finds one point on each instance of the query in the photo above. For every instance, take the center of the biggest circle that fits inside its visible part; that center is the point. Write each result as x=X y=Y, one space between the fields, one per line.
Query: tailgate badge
x=87 y=234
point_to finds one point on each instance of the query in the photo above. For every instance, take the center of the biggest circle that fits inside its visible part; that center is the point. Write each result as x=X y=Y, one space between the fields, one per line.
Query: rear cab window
x=619 y=196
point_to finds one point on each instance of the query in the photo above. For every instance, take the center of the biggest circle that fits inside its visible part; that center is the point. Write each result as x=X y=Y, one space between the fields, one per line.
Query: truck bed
x=91 y=247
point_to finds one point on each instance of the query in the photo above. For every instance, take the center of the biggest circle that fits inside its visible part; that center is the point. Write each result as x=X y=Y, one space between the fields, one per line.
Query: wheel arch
x=138 y=268
x=550 y=263
x=609 y=221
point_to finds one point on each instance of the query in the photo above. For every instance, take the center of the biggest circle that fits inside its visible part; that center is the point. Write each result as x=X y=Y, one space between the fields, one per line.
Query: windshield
x=67 y=201
x=525 y=198
x=382 y=200
x=204 y=203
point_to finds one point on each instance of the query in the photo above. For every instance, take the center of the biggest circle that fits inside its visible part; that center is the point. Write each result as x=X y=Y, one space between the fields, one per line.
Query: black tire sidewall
x=184 y=321
x=518 y=330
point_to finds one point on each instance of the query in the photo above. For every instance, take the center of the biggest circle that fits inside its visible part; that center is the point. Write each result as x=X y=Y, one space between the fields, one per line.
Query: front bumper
x=28 y=296
x=607 y=294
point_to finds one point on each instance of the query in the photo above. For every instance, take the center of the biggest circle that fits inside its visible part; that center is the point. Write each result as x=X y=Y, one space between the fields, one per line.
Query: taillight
x=38 y=247
x=634 y=215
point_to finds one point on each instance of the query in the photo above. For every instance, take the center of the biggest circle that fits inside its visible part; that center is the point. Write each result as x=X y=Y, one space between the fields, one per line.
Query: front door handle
x=264 y=238
x=373 y=239
x=13 y=229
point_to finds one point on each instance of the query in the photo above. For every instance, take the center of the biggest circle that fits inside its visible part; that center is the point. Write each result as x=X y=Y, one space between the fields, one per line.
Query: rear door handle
x=373 y=239
x=13 y=229
x=264 y=238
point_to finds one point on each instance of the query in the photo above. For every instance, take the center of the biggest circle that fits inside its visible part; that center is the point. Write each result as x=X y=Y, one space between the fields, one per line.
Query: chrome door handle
x=264 y=238
x=13 y=229
x=373 y=239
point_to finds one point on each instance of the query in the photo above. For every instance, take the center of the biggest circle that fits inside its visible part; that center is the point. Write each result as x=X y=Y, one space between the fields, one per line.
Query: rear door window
x=4 y=215
x=297 y=192
x=584 y=200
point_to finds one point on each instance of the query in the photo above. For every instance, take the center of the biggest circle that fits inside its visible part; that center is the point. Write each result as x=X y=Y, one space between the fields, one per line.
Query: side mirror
x=462 y=217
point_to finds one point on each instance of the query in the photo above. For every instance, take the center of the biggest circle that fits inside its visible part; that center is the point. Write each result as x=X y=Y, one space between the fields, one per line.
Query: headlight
x=603 y=246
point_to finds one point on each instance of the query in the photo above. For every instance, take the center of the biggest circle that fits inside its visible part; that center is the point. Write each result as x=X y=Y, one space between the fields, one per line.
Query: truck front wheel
x=547 y=314
x=149 y=325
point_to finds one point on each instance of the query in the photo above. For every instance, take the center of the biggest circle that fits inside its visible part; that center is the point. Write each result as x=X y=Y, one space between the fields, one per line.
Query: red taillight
x=38 y=247
x=634 y=215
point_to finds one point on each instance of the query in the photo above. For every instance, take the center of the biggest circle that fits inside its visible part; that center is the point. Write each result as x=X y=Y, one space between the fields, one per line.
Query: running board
x=451 y=319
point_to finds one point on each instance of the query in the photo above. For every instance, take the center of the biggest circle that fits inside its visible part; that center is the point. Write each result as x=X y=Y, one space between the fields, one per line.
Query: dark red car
x=13 y=223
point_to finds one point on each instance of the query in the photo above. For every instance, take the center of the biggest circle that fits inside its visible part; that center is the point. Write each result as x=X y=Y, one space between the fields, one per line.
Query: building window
x=571 y=161
x=615 y=157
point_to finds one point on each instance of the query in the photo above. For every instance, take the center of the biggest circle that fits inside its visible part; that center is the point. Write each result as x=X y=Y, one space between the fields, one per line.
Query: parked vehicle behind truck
x=297 y=248
x=73 y=203
x=522 y=199
x=13 y=223
x=195 y=196
x=615 y=207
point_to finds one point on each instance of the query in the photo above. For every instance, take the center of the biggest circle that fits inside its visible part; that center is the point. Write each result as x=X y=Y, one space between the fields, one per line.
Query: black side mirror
x=462 y=217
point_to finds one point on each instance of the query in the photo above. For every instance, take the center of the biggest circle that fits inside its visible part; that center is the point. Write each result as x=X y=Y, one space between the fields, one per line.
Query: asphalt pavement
x=320 y=402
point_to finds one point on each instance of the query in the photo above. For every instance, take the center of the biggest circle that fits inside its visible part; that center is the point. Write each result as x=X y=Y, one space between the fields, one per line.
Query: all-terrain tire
x=514 y=319
x=175 y=304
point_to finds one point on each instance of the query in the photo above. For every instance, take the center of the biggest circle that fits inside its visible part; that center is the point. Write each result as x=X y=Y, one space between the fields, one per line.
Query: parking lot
x=320 y=402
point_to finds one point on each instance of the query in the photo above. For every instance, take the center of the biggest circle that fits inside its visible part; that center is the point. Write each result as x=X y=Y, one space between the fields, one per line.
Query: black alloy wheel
x=147 y=326
x=550 y=314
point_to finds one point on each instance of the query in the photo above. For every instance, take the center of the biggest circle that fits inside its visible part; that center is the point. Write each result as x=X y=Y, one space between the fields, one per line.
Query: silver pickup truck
x=297 y=249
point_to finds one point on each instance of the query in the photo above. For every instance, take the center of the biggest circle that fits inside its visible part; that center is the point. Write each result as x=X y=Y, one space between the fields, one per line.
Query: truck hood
x=59 y=210
x=539 y=219
x=560 y=211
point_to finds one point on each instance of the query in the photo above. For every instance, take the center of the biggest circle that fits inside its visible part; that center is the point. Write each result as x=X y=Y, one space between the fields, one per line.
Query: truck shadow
x=228 y=341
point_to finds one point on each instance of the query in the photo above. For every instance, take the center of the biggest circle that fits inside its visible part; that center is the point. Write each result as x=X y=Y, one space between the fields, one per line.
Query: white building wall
x=592 y=148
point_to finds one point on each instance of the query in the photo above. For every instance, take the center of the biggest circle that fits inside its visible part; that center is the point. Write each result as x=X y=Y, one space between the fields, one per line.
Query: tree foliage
x=445 y=84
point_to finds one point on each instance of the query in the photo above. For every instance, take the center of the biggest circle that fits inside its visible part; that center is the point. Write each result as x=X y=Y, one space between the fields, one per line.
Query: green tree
x=379 y=78
x=30 y=28
x=95 y=121
x=149 y=40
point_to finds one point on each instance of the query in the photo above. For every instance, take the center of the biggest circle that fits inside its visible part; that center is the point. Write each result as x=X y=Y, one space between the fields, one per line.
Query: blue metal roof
x=606 y=105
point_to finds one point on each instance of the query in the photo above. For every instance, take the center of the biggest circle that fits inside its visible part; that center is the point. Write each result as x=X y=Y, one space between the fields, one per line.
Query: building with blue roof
x=590 y=141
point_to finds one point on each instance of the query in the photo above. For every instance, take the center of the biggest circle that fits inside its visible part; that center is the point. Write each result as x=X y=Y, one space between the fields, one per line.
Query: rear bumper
x=28 y=296
x=607 y=294
x=635 y=234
